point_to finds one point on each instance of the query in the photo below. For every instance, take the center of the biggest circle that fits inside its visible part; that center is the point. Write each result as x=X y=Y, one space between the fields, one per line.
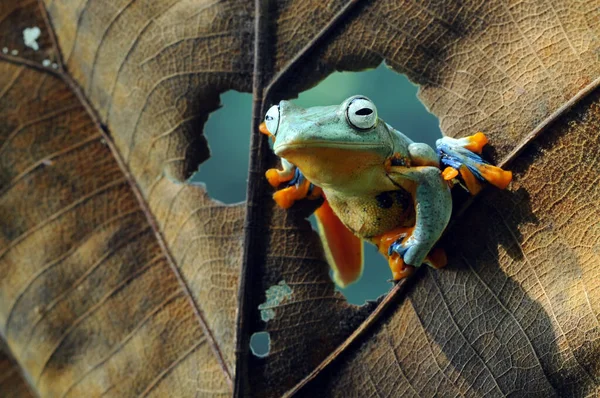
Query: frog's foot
x=463 y=155
x=395 y=245
x=399 y=268
x=473 y=143
x=278 y=177
x=298 y=188
x=449 y=173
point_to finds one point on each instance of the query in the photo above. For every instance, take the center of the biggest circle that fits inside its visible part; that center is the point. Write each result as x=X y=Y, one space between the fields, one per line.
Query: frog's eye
x=272 y=119
x=361 y=114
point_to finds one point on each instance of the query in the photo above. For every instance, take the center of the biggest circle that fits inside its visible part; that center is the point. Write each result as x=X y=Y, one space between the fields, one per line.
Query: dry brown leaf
x=85 y=282
x=11 y=381
x=119 y=277
x=156 y=111
x=516 y=312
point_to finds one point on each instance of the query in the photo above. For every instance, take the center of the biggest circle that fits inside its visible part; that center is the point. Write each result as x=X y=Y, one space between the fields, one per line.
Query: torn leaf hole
x=397 y=104
x=275 y=295
x=260 y=344
x=227 y=131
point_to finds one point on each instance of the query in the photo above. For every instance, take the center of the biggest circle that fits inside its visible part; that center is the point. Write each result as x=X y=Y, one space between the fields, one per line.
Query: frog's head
x=329 y=142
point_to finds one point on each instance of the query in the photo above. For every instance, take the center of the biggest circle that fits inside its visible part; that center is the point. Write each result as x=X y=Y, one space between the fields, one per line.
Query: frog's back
x=368 y=216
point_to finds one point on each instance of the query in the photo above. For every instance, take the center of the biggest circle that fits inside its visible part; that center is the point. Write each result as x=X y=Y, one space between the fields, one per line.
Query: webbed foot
x=298 y=187
x=462 y=155
x=399 y=268
x=397 y=246
x=278 y=177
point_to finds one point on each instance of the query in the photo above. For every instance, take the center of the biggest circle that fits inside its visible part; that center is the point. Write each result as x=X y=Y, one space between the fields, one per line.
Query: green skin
x=301 y=133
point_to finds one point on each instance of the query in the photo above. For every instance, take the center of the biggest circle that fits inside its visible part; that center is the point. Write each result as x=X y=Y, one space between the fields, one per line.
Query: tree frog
x=378 y=185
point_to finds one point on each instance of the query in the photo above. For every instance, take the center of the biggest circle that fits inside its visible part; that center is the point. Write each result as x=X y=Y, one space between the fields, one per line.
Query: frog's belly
x=369 y=216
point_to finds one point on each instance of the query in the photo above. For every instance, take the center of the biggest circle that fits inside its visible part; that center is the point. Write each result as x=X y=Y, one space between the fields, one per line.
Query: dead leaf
x=516 y=312
x=11 y=382
x=120 y=278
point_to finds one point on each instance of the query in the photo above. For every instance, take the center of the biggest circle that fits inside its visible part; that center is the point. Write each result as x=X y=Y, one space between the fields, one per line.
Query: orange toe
x=495 y=175
x=436 y=258
x=449 y=173
x=476 y=142
x=473 y=186
x=286 y=197
x=384 y=241
x=399 y=268
x=397 y=265
x=275 y=178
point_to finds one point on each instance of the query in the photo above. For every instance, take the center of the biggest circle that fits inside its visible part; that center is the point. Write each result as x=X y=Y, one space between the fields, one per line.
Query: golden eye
x=361 y=113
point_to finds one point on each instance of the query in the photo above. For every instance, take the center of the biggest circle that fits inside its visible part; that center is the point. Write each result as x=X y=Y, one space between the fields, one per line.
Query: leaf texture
x=118 y=277
x=11 y=382
x=517 y=312
x=16 y=18
x=153 y=118
x=508 y=70
x=85 y=282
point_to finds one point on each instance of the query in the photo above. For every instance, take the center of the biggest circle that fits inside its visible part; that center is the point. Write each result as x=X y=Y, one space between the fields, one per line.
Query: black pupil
x=364 y=112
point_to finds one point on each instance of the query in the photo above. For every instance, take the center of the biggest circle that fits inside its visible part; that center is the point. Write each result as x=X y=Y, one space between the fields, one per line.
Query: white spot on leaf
x=30 y=36
x=5 y=50
x=275 y=296
x=14 y=52
x=46 y=62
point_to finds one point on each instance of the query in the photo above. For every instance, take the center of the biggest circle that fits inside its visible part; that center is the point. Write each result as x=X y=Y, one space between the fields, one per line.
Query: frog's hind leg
x=462 y=154
x=343 y=249
x=390 y=245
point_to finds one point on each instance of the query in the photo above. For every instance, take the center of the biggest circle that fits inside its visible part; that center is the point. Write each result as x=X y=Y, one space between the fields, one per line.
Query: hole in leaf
x=397 y=104
x=374 y=281
x=392 y=93
x=225 y=173
x=227 y=131
x=275 y=295
x=260 y=344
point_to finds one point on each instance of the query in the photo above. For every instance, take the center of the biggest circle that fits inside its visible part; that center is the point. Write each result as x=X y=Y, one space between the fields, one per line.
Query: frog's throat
x=284 y=148
x=338 y=166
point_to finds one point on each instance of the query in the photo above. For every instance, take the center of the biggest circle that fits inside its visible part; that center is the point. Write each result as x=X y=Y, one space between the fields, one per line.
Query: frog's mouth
x=286 y=148
x=330 y=163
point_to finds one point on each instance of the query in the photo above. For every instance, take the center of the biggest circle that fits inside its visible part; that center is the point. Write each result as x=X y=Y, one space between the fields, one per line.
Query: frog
x=377 y=185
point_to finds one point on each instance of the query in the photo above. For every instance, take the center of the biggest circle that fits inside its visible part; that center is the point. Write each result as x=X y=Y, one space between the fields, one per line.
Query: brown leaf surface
x=11 y=381
x=15 y=18
x=85 y=283
x=118 y=277
x=517 y=311
x=154 y=108
x=508 y=70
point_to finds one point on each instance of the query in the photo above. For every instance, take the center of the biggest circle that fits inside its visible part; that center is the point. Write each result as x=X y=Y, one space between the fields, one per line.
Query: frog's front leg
x=298 y=187
x=422 y=155
x=433 y=207
x=277 y=177
x=462 y=156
